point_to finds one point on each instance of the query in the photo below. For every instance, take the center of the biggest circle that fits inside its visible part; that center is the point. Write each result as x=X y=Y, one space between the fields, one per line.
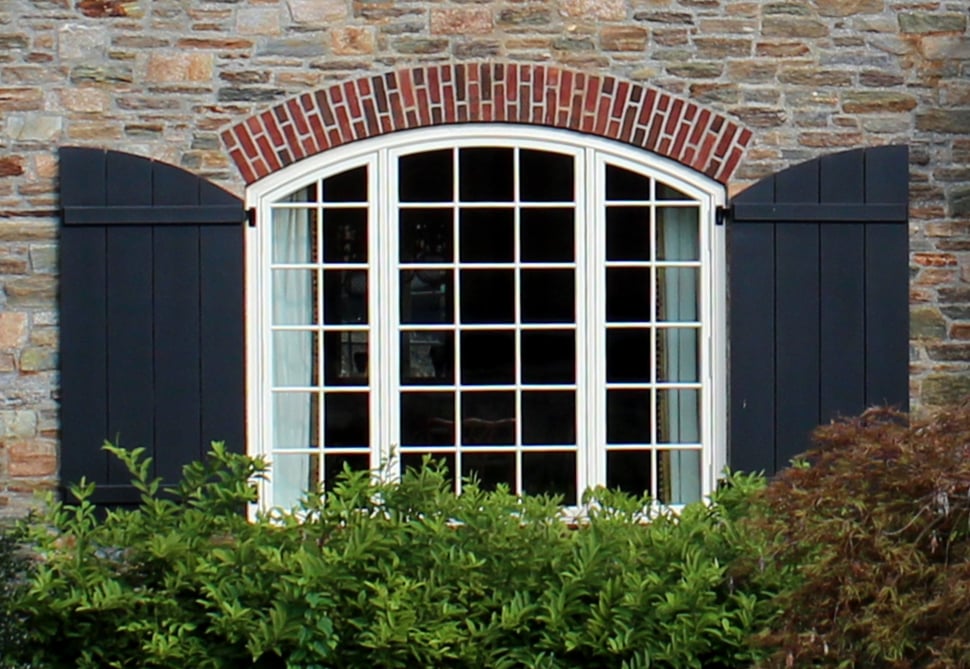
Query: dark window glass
x=487 y=357
x=427 y=419
x=345 y=358
x=545 y=176
x=550 y=474
x=349 y=186
x=306 y=194
x=548 y=296
x=426 y=235
x=426 y=177
x=345 y=235
x=489 y=469
x=665 y=192
x=485 y=174
x=627 y=294
x=427 y=358
x=549 y=417
x=345 y=296
x=346 y=419
x=627 y=233
x=426 y=296
x=487 y=296
x=548 y=356
x=628 y=471
x=416 y=462
x=627 y=355
x=548 y=235
x=488 y=418
x=623 y=184
x=627 y=416
x=334 y=466
x=487 y=235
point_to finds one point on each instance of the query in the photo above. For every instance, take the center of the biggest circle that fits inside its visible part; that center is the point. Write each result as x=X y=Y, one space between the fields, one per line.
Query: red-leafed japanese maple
x=874 y=522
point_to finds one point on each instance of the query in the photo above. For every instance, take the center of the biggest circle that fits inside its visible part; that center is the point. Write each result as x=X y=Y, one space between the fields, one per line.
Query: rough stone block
x=463 y=21
x=21 y=99
x=84 y=99
x=32 y=291
x=352 y=40
x=13 y=329
x=789 y=26
x=318 y=12
x=945 y=389
x=38 y=360
x=623 y=38
x=32 y=458
x=11 y=166
x=849 y=7
x=18 y=424
x=81 y=42
x=919 y=22
x=926 y=323
x=601 y=10
x=867 y=102
x=958 y=201
x=176 y=67
x=34 y=127
x=258 y=21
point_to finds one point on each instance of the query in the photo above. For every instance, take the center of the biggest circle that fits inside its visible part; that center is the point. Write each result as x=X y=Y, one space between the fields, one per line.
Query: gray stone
x=958 y=201
x=945 y=389
x=917 y=22
x=250 y=94
x=296 y=48
x=81 y=42
x=43 y=258
x=105 y=74
x=926 y=323
x=34 y=127
x=944 y=120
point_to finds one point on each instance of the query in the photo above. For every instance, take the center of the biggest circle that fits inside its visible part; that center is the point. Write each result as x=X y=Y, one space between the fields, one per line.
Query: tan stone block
x=18 y=424
x=258 y=21
x=7 y=362
x=31 y=291
x=83 y=99
x=34 y=127
x=463 y=21
x=318 y=12
x=180 y=67
x=782 y=49
x=352 y=40
x=21 y=99
x=13 y=329
x=793 y=26
x=940 y=47
x=849 y=7
x=31 y=458
x=22 y=231
x=623 y=38
x=94 y=130
x=602 y=10
x=81 y=42
x=863 y=102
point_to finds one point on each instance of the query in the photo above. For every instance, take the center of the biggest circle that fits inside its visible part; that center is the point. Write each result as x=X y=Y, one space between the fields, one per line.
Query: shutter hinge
x=251 y=217
x=722 y=214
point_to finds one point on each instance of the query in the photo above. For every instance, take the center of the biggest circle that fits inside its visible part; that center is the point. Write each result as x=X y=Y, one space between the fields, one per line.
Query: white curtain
x=678 y=290
x=292 y=355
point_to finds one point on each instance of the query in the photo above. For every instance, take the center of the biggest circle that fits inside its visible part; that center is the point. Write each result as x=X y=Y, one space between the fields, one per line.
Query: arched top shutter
x=151 y=299
x=818 y=300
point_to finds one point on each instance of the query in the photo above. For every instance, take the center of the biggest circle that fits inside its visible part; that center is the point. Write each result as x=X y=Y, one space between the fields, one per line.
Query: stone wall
x=164 y=78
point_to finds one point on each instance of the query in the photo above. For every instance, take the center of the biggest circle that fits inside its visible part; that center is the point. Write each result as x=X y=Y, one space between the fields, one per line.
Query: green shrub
x=376 y=575
x=877 y=517
x=13 y=566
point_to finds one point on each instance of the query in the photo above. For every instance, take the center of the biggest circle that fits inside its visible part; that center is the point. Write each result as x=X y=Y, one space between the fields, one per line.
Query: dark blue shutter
x=151 y=320
x=818 y=304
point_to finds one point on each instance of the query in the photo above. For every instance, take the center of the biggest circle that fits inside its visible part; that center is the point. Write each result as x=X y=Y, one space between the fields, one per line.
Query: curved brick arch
x=630 y=112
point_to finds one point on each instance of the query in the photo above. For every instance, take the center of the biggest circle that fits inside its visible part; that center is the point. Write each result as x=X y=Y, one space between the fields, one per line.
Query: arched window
x=535 y=307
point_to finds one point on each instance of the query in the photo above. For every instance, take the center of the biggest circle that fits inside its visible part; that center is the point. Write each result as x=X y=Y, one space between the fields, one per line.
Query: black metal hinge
x=251 y=217
x=722 y=214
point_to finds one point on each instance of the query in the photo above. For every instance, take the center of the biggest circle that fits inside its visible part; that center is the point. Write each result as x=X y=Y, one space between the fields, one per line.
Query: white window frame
x=591 y=151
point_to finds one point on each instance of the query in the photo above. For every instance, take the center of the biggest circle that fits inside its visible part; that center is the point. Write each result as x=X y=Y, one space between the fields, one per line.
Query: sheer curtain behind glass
x=678 y=290
x=293 y=354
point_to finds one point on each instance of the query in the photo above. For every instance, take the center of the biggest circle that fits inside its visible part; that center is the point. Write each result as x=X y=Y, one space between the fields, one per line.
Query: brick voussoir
x=634 y=113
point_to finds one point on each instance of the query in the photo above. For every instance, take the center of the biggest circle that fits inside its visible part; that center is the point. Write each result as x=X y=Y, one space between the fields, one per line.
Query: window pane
x=548 y=356
x=487 y=235
x=415 y=461
x=677 y=233
x=426 y=296
x=334 y=466
x=678 y=476
x=349 y=186
x=306 y=194
x=293 y=233
x=677 y=294
x=628 y=471
x=427 y=358
x=489 y=469
x=627 y=294
x=623 y=184
x=548 y=235
x=345 y=358
x=295 y=420
x=346 y=419
x=487 y=296
x=678 y=355
x=628 y=355
x=293 y=297
x=426 y=177
x=488 y=418
x=550 y=473
x=678 y=416
x=427 y=419
x=293 y=475
x=549 y=417
x=665 y=192
x=487 y=357
x=485 y=174
x=545 y=176
x=345 y=296
x=426 y=235
x=344 y=235
x=294 y=353
x=628 y=416
x=627 y=233
x=548 y=296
